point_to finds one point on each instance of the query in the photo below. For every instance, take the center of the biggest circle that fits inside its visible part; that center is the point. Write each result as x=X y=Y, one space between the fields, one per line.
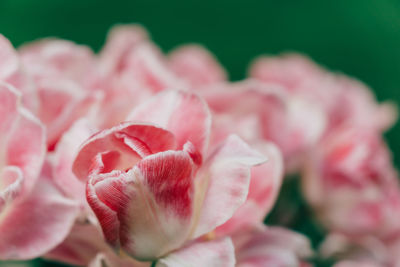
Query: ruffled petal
x=185 y=114
x=121 y=147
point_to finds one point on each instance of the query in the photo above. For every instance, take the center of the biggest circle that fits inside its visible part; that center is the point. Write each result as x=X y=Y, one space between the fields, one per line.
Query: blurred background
x=358 y=37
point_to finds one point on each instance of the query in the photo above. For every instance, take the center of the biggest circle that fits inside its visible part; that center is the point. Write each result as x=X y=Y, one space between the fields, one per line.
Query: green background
x=360 y=38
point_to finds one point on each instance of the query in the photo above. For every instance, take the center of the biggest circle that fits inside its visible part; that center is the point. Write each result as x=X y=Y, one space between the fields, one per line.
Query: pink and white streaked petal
x=36 y=223
x=197 y=65
x=223 y=184
x=216 y=253
x=147 y=211
x=185 y=114
x=125 y=144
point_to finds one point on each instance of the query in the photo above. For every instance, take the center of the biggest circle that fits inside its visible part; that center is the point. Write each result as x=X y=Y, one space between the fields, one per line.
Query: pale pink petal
x=147 y=211
x=196 y=64
x=223 y=183
x=127 y=143
x=121 y=40
x=147 y=67
x=265 y=185
x=81 y=246
x=22 y=136
x=8 y=59
x=275 y=246
x=61 y=103
x=55 y=58
x=36 y=223
x=185 y=114
x=111 y=260
x=64 y=156
x=216 y=253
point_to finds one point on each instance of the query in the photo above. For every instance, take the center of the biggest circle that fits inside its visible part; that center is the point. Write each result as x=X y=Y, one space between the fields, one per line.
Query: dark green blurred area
x=358 y=37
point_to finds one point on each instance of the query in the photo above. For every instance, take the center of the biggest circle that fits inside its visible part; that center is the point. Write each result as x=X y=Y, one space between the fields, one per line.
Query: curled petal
x=216 y=253
x=197 y=65
x=124 y=144
x=223 y=184
x=185 y=114
x=147 y=211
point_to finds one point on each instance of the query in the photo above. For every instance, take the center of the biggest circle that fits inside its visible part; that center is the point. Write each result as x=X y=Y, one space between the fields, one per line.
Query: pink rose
x=155 y=189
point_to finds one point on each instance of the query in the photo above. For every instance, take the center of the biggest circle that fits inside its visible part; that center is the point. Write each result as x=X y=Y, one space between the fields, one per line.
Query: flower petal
x=81 y=245
x=216 y=253
x=224 y=183
x=197 y=65
x=111 y=260
x=128 y=141
x=185 y=114
x=274 y=246
x=37 y=223
x=147 y=210
x=22 y=136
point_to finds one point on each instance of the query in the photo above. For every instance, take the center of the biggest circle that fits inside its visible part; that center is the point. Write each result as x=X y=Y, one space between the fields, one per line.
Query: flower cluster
x=134 y=158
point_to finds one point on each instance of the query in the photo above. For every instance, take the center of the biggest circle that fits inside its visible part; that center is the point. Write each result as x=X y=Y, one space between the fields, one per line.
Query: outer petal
x=37 y=223
x=223 y=184
x=197 y=65
x=128 y=142
x=216 y=253
x=147 y=210
x=81 y=246
x=262 y=246
x=183 y=113
x=265 y=185
x=8 y=59
x=111 y=260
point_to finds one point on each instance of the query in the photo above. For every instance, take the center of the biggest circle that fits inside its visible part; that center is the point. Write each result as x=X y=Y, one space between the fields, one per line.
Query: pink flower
x=156 y=188
x=352 y=184
x=345 y=101
x=34 y=215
